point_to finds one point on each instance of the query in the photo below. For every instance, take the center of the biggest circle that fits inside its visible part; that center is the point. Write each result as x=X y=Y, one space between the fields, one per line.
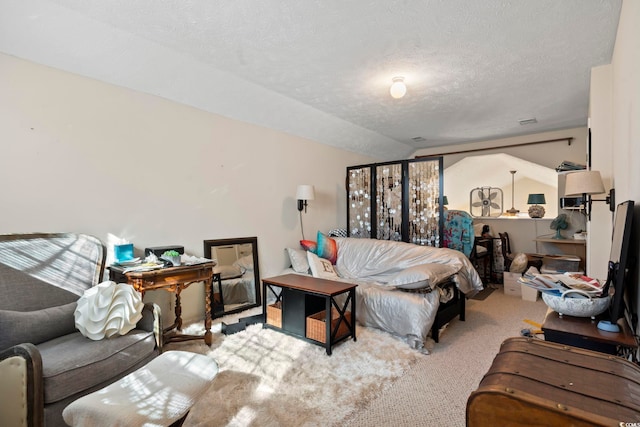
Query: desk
x=583 y=332
x=173 y=279
x=575 y=247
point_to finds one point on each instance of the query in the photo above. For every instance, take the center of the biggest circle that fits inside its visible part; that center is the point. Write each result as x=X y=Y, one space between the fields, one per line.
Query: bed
x=405 y=289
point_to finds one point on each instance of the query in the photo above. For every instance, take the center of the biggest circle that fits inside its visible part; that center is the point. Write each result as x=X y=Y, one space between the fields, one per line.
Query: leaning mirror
x=237 y=288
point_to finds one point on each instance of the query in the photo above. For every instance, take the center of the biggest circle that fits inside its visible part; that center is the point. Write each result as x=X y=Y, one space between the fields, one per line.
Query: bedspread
x=380 y=260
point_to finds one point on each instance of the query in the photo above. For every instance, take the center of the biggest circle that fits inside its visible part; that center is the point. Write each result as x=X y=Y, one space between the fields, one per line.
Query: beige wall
x=535 y=165
x=626 y=118
x=548 y=154
x=83 y=156
x=600 y=227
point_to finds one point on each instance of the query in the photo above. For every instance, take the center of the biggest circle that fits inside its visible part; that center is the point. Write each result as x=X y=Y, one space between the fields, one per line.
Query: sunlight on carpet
x=268 y=378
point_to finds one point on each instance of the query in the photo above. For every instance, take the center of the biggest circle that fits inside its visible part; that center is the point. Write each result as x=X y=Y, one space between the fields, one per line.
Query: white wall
x=626 y=117
x=600 y=228
x=79 y=155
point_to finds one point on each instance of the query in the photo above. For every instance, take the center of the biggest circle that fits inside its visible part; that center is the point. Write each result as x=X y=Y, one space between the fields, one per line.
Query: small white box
x=529 y=293
x=511 y=285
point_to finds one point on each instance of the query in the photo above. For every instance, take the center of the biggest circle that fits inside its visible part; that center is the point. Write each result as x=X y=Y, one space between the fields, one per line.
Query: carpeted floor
x=434 y=391
x=421 y=390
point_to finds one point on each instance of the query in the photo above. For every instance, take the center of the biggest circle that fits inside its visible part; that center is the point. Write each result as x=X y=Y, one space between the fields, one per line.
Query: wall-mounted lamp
x=398 y=89
x=304 y=193
x=585 y=183
x=536 y=211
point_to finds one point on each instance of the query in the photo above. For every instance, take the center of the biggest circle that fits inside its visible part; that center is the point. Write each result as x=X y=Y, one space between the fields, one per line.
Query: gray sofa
x=45 y=363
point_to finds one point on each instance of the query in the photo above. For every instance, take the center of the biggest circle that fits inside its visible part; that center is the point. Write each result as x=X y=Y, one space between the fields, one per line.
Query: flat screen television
x=619 y=265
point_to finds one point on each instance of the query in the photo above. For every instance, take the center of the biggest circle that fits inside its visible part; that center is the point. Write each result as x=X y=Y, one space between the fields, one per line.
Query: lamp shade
x=445 y=201
x=305 y=192
x=585 y=182
x=536 y=199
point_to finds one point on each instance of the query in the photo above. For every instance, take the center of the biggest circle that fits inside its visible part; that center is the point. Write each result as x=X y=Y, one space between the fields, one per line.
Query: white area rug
x=268 y=378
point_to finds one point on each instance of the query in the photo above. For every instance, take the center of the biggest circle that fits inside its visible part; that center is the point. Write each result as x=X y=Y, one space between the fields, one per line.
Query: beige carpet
x=434 y=391
x=269 y=379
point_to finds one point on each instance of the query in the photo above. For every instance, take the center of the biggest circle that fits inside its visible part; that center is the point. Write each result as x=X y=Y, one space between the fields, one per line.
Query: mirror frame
x=211 y=243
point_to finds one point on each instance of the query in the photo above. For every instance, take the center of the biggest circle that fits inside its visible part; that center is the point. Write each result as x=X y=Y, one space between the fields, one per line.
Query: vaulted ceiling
x=322 y=69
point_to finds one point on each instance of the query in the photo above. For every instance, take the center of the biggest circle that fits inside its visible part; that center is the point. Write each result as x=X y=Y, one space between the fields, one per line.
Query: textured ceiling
x=322 y=69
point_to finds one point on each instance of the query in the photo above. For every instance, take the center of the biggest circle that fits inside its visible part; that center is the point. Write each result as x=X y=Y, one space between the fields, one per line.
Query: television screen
x=619 y=263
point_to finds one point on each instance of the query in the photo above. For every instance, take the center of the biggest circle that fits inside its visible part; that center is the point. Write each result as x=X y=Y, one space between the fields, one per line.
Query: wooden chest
x=536 y=383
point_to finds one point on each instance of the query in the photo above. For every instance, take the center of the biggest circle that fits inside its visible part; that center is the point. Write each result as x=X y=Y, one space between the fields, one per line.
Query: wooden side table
x=172 y=279
x=584 y=333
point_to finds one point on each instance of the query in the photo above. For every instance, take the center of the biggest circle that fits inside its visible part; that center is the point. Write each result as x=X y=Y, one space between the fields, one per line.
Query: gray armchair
x=45 y=363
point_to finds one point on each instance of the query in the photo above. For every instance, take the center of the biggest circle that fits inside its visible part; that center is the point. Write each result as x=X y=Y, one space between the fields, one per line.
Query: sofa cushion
x=423 y=276
x=298 y=259
x=309 y=245
x=327 y=248
x=320 y=267
x=73 y=363
x=35 y=326
x=39 y=270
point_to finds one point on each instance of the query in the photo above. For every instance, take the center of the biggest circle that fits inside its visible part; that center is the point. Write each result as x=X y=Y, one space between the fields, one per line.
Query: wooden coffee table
x=306 y=308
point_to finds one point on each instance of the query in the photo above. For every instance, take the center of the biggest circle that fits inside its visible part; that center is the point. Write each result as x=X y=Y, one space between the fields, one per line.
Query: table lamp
x=535 y=210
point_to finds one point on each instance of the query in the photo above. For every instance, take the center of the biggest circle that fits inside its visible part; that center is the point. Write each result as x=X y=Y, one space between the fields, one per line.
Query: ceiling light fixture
x=398 y=88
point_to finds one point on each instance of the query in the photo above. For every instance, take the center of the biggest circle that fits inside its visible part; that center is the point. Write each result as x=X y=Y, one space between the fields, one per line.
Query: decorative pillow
x=309 y=245
x=519 y=263
x=228 y=271
x=320 y=267
x=245 y=263
x=327 y=248
x=37 y=326
x=337 y=232
x=298 y=259
x=108 y=309
x=423 y=275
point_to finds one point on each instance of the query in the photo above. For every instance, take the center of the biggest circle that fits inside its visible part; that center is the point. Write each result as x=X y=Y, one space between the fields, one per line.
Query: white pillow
x=108 y=309
x=245 y=263
x=320 y=267
x=298 y=258
x=423 y=275
x=228 y=271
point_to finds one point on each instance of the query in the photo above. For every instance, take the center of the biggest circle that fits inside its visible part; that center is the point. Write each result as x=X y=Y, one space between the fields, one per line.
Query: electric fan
x=485 y=201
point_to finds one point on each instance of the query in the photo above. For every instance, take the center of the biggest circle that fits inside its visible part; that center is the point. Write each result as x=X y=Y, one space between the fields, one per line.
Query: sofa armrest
x=152 y=321
x=21 y=388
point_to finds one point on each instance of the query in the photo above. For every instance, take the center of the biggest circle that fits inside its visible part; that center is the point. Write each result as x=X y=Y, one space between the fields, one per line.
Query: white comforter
x=371 y=263
x=380 y=260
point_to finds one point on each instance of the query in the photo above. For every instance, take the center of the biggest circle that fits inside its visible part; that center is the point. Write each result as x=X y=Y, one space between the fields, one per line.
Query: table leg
x=178 y=322
x=208 y=337
x=329 y=340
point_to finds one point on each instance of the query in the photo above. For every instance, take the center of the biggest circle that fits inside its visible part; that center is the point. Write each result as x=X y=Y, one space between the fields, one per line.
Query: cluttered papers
x=560 y=283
